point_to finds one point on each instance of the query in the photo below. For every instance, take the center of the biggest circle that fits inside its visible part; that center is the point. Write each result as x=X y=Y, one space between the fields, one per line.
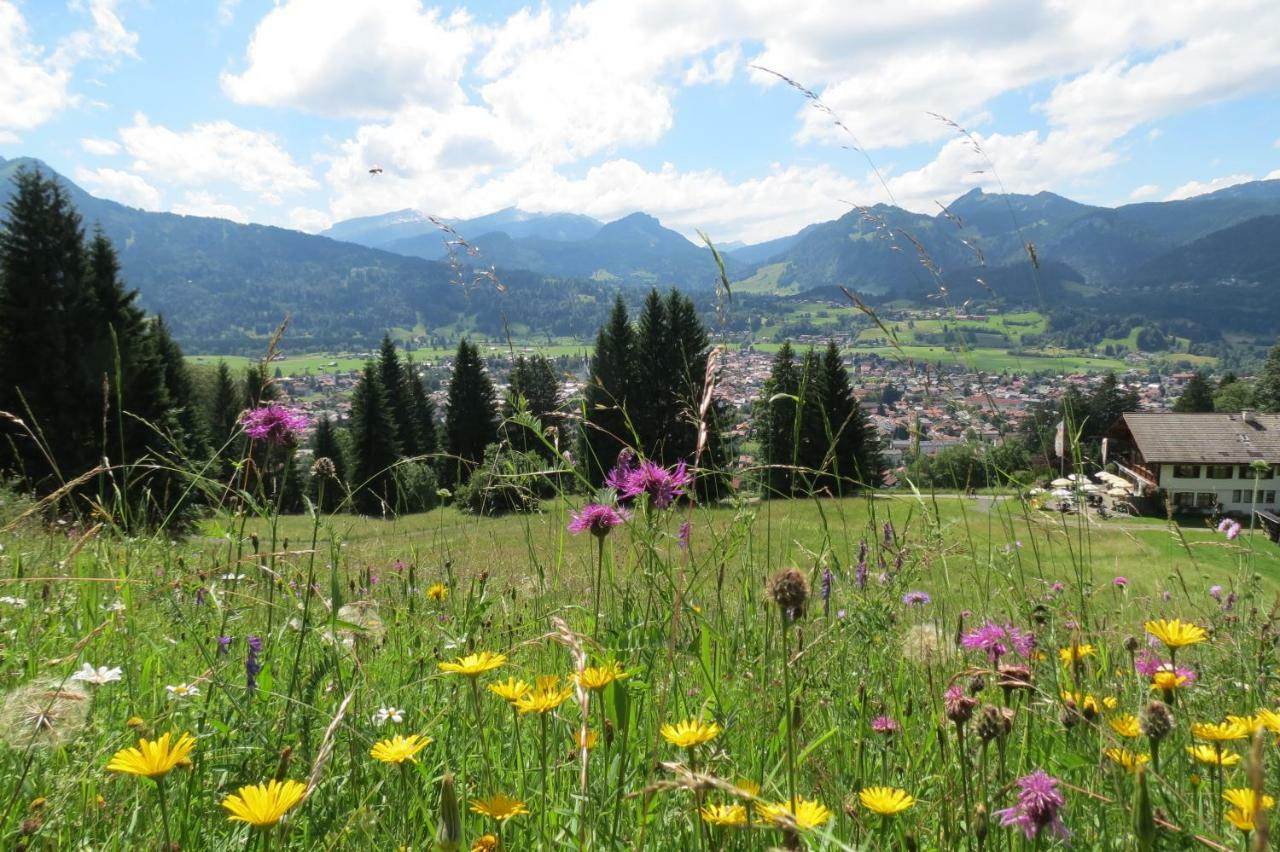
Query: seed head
x=1157 y=720
x=324 y=468
x=790 y=591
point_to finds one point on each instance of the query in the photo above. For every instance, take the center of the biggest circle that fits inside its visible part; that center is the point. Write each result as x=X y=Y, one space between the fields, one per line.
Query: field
x=300 y=648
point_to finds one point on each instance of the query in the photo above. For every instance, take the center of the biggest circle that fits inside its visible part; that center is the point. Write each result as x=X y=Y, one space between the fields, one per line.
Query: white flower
x=232 y=577
x=387 y=714
x=20 y=603
x=183 y=690
x=115 y=606
x=98 y=676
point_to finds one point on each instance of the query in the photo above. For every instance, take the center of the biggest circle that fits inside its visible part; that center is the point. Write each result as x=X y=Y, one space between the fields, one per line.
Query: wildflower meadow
x=634 y=669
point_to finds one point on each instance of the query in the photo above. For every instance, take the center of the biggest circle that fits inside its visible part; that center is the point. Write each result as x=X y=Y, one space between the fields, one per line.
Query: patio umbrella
x=1089 y=487
x=1117 y=492
x=1061 y=482
x=1059 y=492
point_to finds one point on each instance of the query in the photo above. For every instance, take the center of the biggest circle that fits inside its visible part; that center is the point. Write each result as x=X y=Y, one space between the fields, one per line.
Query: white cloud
x=215 y=153
x=721 y=69
x=365 y=58
x=203 y=203
x=35 y=84
x=1272 y=175
x=125 y=187
x=1194 y=187
x=100 y=147
x=309 y=219
x=1147 y=190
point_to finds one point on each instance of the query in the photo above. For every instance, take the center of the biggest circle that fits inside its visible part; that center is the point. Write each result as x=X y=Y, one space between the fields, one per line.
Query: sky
x=275 y=112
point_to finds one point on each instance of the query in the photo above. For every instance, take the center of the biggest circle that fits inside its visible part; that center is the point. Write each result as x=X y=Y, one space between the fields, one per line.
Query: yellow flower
x=437 y=592
x=510 y=689
x=500 y=807
x=1167 y=679
x=473 y=665
x=1075 y=653
x=153 y=759
x=38 y=803
x=806 y=814
x=485 y=843
x=262 y=805
x=1220 y=732
x=747 y=788
x=1109 y=702
x=1123 y=757
x=1176 y=633
x=1084 y=702
x=690 y=733
x=598 y=677
x=589 y=741
x=885 y=801
x=136 y=722
x=1209 y=754
x=1268 y=719
x=547 y=697
x=724 y=815
x=398 y=749
x=1246 y=806
x=1126 y=725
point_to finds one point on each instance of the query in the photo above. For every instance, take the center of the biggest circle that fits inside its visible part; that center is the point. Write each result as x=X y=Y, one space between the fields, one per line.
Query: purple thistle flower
x=916 y=598
x=885 y=725
x=398 y=566
x=663 y=486
x=1058 y=587
x=1038 y=807
x=888 y=533
x=1120 y=582
x=597 y=519
x=958 y=705
x=274 y=424
x=251 y=665
x=1147 y=663
x=1215 y=592
x=616 y=478
x=224 y=642
x=998 y=641
x=686 y=531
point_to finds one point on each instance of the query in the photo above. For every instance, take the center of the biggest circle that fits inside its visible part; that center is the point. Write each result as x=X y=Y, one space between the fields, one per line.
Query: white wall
x=1224 y=488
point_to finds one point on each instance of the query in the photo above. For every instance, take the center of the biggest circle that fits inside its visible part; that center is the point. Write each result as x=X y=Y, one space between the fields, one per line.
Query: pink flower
x=274 y=424
x=597 y=519
x=663 y=486
x=998 y=641
x=885 y=725
x=1120 y=582
x=1038 y=807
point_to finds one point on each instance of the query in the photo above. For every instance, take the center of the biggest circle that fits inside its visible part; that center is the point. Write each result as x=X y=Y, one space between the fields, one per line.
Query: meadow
x=891 y=670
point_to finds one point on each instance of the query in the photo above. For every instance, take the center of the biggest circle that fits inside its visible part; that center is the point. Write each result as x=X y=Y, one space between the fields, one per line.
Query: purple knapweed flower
x=597 y=519
x=1039 y=806
x=686 y=531
x=274 y=424
x=886 y=725
x=616 y=478
x=251 y=665
x=398 y=566
x=1120 y=582
x=998 y=641
x=916 y=598
x=1215 y=592
x=663 y=486
x=1058 y=587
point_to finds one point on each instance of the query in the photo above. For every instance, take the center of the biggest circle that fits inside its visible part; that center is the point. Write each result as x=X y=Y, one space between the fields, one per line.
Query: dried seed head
x=790 y=591
x=989 y=723
x=1131 y=644
x=324 y=468
x=1157 y=720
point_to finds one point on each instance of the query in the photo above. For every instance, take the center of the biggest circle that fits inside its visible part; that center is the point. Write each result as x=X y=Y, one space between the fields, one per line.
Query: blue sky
x=275 y=111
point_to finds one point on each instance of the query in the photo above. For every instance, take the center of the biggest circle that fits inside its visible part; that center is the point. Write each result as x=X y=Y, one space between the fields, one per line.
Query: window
x=1220 y=471
x=1246 y=472
x=1206 y=500
x=1183 y=499
x=1239 y=496
x=1186 y=471
x=1267 y=498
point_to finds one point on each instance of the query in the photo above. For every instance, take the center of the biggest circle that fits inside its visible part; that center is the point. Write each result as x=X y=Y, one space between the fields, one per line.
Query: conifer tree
x=852 y=444
x=470 y=424
x=193 y=438
x=325 y=444
x=534 y=381
x=1197 y=396
x=374 y=447
x=399 y=396
x=1266 y=390
x=257 y=387
x=653 y=393
x=226 y=406
x=423 y=413
x=605 y=429
x=775 y=424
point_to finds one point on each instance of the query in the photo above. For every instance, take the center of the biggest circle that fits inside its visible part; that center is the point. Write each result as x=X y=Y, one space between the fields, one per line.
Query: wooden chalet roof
x=1204 y=438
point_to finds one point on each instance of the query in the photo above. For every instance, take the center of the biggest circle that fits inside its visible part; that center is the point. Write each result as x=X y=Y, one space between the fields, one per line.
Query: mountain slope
x=413 y=230
x=1247 y=253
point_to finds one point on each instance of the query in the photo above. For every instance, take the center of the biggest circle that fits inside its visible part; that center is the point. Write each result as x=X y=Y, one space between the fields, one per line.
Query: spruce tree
x=257 y=387
x=775 y=424
x=1266 y=390
x=226 y=406
x=193 y=438
x=399 y=396
x=856 y=456
x=374 y=447
x=605 y=428
x=328 y=496
x=469 y=424
x=1196 y=397
x=652 y=398
x=533 y=380
x=423 y=413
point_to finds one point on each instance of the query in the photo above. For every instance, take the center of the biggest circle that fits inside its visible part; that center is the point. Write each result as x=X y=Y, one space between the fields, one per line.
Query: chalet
x=1200 y=462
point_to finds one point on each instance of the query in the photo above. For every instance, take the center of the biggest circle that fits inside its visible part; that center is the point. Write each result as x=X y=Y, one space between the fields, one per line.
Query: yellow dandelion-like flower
x=262 y=805
x=1126 y=725
x=398 y=749
x=1167 y=679
x=1075 y=653
x=135 y=722
x=1176 y=633
x=500 y=807
x=1084 y=702
x=1128 y=759
x=598 y=677
x=589 y=741
x=1110 y=702
x=724 y=815
x=1220 y=731
x=1211 y=755
x=474 y=665
x=511 y=689
x=437 y=591
x=806 y=814
x=1268 y=719
x=154 y=759
x=885 y=801
x=690 y=733
x=747 y=788
x=1244 y=813
x=485 y=843
x=547 y=697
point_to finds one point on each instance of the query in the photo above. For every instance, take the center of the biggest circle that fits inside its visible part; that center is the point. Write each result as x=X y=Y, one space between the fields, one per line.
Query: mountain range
x=224 y=285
